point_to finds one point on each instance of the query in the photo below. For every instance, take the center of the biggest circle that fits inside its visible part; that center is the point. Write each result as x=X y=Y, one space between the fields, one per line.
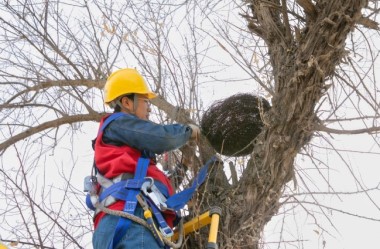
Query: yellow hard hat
x=3 y=246
x=125 y=81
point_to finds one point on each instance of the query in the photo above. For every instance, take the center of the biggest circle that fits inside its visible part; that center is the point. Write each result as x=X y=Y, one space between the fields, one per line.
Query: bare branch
x=370 y=130
x=49 y=125
x=368 y=23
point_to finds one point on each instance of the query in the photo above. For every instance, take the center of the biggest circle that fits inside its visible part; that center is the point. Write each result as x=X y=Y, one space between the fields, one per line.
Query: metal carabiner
x=154 y=194
x=146 y=184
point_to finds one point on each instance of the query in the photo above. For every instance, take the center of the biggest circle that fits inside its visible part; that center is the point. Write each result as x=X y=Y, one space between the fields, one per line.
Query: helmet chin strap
x=135 y=103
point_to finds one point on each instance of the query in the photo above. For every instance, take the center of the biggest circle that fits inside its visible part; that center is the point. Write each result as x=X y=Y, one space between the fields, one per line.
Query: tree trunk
x=301 y=64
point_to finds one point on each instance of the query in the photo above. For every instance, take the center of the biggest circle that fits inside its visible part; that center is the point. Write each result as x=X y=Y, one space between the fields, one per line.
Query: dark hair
x=129 y=96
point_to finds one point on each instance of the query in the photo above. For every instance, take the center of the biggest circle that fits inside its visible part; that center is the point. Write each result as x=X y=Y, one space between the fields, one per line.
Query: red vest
x=112 y=161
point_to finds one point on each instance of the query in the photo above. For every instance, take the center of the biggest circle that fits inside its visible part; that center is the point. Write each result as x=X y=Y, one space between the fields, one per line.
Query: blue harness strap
x=110 y=118
x=179 y=200
x=164 y=227
x=133 y=186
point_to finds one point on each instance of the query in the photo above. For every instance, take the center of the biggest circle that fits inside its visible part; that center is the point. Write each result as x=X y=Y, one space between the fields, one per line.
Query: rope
x=145 y=224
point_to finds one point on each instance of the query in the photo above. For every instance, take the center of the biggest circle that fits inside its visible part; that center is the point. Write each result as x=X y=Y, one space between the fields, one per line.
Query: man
x=121 y=141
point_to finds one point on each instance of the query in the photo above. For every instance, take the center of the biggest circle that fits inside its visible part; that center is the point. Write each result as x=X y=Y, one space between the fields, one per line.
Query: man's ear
x=127 y=103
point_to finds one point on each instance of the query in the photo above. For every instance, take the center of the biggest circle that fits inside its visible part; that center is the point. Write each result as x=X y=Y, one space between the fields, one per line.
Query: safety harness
x=152 y=195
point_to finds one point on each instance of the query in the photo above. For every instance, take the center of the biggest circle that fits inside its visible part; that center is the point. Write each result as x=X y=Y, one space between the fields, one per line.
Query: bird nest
x=231 y=124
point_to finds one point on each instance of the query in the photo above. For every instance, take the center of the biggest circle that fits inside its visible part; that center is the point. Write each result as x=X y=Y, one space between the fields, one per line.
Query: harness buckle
x=154 y=194
x=90 y=184
x=167 y=231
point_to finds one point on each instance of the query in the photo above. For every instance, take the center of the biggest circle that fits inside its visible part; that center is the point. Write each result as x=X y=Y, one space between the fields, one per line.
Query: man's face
x=142 y=109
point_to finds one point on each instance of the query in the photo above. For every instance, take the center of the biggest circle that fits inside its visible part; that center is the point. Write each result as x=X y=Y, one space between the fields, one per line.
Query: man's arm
x=146 y=135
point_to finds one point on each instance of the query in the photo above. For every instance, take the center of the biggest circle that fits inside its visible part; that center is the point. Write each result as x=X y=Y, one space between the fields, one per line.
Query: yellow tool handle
x=194 y=224
x=213 y=228
x=211 y=217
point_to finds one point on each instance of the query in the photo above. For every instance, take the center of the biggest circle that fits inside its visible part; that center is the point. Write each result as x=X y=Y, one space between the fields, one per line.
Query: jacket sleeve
x=146 y=135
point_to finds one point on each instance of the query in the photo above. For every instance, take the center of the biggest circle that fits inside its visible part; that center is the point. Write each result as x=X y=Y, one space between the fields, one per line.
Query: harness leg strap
x=130 y=203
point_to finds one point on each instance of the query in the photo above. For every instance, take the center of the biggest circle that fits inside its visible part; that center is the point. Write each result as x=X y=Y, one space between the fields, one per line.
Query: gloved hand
x=196 y=132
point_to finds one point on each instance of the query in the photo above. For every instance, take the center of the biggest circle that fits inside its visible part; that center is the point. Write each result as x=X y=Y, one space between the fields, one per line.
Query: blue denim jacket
x=146 y=135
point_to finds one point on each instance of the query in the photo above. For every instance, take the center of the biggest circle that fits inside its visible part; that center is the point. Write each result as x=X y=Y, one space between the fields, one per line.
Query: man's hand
x=196 y=132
